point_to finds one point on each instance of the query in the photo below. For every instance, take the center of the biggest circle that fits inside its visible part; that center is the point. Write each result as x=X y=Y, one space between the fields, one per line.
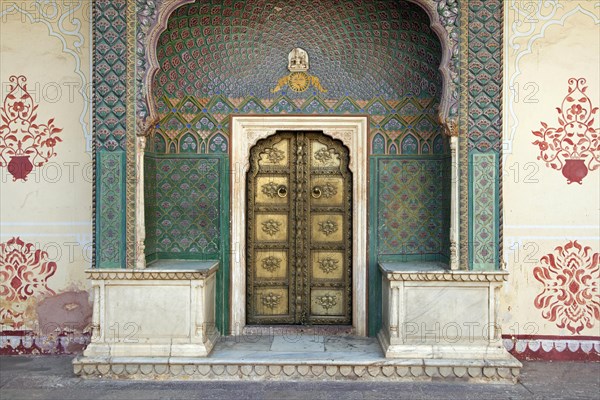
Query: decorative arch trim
x=164 y=11
x=443 y=26
x=449 y=43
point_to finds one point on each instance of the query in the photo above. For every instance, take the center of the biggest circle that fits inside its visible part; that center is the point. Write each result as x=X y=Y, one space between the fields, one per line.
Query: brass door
x=299 y=231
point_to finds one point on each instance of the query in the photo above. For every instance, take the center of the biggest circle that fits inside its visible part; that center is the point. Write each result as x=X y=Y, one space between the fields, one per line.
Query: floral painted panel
x=150 y=205
x=485 y=74
x=24 y=274
x=571 y=287
x=200 y=125
x=485 y=217
x=374 y=58
x=358 y=49
x=110 y=225
x=110 y=57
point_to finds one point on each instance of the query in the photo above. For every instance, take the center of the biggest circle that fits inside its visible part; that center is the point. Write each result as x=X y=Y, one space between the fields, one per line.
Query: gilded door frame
x=353 y=132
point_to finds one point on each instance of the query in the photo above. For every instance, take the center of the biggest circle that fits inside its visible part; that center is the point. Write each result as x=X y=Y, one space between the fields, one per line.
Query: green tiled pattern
x=411 y=214
x=110 y=211
x=485 y=223
x=187 y=207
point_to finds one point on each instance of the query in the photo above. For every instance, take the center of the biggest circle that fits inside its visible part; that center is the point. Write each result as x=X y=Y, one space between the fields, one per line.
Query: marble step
x=298 y=358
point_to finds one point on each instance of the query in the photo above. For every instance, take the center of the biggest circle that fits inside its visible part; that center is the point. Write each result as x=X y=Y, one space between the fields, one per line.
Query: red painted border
x=553 y=355
x=552 y=337
x=26 y=342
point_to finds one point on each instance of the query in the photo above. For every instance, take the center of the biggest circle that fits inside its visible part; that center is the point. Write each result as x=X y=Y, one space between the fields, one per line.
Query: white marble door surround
x=245 y=133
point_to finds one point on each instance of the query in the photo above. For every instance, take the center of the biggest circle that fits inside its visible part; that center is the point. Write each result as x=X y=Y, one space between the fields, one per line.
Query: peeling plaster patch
x=68 y=310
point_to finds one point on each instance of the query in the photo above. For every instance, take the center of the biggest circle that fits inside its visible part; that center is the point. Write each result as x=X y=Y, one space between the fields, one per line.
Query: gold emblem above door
x=299 y=231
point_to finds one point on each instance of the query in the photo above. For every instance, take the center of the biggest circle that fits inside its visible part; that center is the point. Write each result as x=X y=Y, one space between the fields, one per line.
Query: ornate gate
x=299 y=231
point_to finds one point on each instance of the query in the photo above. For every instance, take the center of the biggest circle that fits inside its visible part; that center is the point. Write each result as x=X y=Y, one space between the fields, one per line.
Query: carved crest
x=298 y=80
x=298 y=60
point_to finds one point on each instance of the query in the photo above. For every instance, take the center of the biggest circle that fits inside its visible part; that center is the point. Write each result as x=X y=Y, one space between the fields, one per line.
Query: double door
x=299 y=232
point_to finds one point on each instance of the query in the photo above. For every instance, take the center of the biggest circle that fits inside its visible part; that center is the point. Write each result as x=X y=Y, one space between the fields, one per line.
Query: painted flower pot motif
x=19 y=167
x=574 y=171
x=574 y=146
x=24 y=142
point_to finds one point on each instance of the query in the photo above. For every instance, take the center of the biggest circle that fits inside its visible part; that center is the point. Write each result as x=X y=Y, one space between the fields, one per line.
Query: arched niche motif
x=443 y=25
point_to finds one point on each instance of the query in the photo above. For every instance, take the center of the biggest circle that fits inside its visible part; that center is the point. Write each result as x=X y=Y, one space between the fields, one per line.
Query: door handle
x=282 y=191
x=316 y=192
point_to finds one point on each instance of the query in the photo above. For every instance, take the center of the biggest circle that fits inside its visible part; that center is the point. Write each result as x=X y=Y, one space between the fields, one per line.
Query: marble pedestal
x=165 y=310
x=433 y=313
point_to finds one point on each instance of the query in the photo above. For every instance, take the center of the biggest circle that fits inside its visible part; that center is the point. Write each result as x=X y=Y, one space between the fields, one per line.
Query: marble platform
x=165 y=310
x=431 y=312
x=300 y=357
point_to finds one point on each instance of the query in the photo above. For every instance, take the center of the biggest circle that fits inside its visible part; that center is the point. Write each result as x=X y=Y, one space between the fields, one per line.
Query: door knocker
x=282 y=191
x=316 y=192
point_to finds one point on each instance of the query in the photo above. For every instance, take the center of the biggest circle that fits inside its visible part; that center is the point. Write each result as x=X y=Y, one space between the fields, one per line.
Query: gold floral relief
x=327 y=227
x=276 y=155
x=272 y=264
x=327 y=265
x=271 y=301
x=272 y=190
x=327 y=191
x=324 y=156
x=327 y=302
x=271 y=227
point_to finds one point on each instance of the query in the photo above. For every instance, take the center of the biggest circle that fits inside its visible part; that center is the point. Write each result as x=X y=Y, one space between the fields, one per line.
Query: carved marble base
x=167 y=309
x=430 y=312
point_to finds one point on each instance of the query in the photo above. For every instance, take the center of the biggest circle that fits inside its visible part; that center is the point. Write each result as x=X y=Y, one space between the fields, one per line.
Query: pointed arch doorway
x=299 y=231
x=351 y=132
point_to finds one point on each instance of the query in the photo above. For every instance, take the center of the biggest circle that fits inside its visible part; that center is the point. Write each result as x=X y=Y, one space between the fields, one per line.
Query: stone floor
x=51 y=377
x=297 y=345
x=299 y=356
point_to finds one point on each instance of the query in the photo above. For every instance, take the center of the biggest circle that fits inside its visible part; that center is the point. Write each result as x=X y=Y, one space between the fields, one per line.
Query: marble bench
x=432 y=312
x=166 y=309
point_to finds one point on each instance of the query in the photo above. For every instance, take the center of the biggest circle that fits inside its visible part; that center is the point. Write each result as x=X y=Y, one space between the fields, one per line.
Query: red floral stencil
x=24 y=273
x=571 y=294
x=23 y=143
x=574 y=146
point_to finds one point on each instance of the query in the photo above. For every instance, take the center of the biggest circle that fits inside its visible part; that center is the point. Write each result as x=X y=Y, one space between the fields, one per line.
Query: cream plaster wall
x=49 y=44
x=546 y=43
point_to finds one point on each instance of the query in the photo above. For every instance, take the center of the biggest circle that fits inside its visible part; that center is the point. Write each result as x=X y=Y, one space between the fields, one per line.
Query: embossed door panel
x=330 y=234
x=299 y=231
x=270 y=251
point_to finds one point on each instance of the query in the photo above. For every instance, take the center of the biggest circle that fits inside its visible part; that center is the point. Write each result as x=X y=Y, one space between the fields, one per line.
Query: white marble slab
x=414 y=266
x=336 y=358
x=182 y=265
x=245 y=343
x=298 y=344
x=352 y=344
